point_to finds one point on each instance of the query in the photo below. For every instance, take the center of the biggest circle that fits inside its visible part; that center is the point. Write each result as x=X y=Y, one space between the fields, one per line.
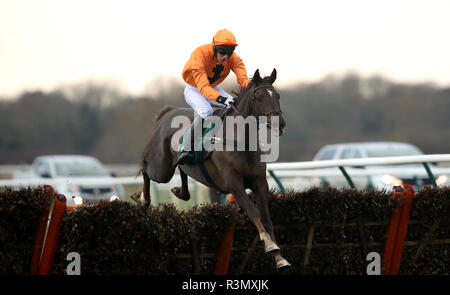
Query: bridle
x=273 y=112
x=233 y=107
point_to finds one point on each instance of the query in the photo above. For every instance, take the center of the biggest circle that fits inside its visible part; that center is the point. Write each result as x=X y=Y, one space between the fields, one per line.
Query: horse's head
x=265 y=100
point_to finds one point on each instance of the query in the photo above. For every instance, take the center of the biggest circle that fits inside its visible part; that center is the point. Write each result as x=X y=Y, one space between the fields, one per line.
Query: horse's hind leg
x=144 y=196
x=183 y=191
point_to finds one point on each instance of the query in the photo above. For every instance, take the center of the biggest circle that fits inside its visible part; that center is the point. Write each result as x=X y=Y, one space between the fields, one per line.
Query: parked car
x=379 y=177
x=75 y=176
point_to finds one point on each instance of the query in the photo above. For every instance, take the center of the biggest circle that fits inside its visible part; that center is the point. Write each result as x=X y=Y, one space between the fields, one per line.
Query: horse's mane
x=242 y=92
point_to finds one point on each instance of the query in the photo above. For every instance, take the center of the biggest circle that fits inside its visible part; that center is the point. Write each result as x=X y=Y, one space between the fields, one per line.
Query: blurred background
x=89 y=77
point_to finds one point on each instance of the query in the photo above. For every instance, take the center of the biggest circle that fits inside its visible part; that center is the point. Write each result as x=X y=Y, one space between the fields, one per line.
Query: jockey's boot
x=187 y=154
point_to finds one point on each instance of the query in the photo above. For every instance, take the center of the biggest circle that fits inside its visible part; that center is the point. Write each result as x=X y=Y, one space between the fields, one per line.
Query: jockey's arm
x=238 y=67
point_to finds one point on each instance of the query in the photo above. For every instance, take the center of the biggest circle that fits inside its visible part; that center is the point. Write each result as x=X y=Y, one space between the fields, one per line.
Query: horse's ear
x=273 y=76
x=256 y=77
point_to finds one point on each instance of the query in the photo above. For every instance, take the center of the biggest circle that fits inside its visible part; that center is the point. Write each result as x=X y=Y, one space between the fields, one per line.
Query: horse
x=229 y=171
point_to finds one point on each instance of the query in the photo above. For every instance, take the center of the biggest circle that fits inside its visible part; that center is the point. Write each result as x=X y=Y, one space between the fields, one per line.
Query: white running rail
x=287 y=169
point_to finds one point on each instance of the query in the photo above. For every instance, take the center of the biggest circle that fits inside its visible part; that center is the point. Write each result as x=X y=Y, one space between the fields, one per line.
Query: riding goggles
x=225 y=49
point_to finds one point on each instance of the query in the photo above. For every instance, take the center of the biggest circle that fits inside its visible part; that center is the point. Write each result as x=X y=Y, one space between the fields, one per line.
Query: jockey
x=207 y=67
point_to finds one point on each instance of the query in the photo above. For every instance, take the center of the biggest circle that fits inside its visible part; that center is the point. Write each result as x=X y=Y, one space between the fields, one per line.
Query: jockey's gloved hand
x=225 y=100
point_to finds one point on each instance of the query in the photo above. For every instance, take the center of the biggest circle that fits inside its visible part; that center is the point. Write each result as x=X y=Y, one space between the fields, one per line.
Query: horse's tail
x=146 y=184
x=143 y=163
x=163 y=111
x=146 y=187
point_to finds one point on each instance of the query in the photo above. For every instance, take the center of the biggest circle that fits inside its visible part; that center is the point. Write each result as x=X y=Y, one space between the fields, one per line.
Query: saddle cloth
x=201 y=156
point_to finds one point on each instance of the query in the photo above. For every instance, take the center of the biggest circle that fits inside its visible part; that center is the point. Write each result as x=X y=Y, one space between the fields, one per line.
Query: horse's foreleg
x=261 y=191
x=269 y=245
x=214 y=195
x=183 y=191
x=255 y=216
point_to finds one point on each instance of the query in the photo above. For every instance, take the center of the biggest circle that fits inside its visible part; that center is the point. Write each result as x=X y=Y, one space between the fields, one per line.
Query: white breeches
x=201 y=105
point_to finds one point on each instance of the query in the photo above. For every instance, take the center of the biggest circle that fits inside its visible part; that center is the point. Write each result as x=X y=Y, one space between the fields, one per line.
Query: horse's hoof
x=137 y=197
x=273 y=249
x=282 y=264
x=178 y=192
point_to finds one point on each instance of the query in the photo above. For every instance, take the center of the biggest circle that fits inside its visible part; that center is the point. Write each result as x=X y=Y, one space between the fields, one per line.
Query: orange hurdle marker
x=224 y=252
x=226 y=245
x=40 y=234
x=402 y=229
x=51 y=240
x=397 y=229
x=391 y=232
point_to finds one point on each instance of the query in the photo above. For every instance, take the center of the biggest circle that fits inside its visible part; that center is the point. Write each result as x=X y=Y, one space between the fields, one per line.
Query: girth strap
x=201 y=164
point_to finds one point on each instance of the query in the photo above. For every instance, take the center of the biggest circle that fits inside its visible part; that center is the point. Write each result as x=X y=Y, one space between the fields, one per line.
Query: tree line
x=107 y=123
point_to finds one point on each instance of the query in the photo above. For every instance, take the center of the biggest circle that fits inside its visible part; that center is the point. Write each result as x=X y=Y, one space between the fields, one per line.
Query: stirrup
x=188 y=157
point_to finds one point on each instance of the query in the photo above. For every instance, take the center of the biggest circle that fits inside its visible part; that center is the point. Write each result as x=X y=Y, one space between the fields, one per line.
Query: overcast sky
x=48 y=43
